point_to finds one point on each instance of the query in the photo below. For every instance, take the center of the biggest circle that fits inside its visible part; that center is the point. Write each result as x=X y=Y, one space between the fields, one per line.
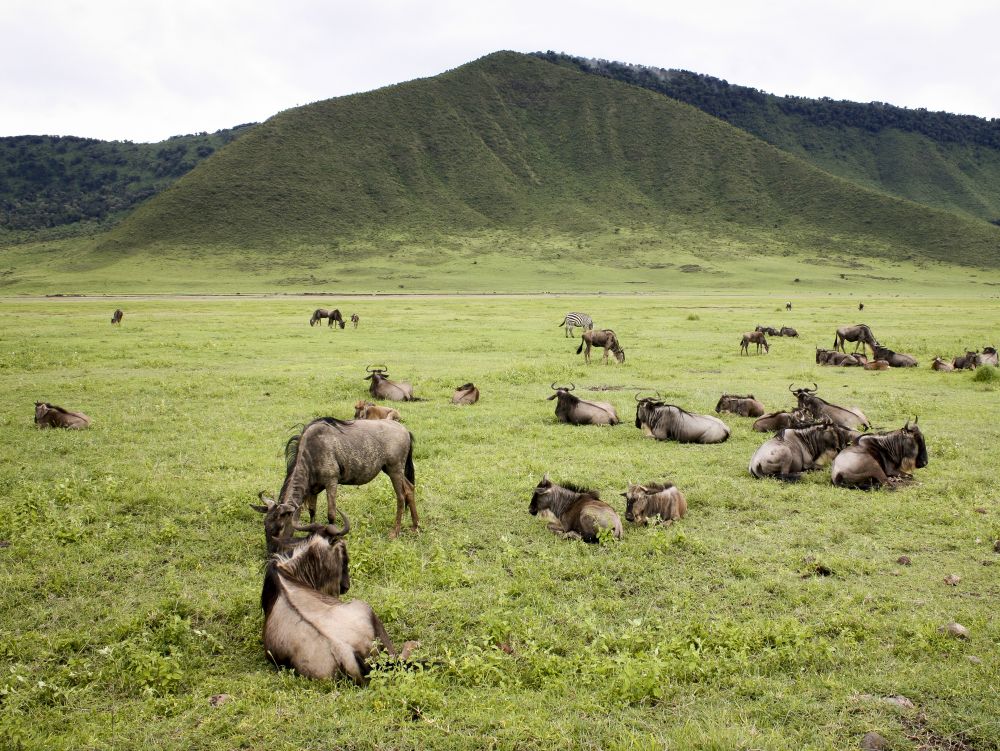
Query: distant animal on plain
x=604 y=338
x=117 y=316
x=861 y=306
x=574 y=513
x=50 y=416
x=753 y=337
x=574 y=320
x=788 y=306
x=334 y=315
x=355 y=319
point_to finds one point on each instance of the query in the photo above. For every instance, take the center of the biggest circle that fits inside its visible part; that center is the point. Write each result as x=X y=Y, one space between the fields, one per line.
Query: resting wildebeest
x=989 y=356
x=840 y=359
x=796 y=450
x=787 y=331
x=306 y=625
x=382 y=388
x=744 y=406
x=753 y=337
x=355 y=319
x=820 y=409
x=604 y=338
x=939 y=363
x=969 y=361
x=768 y=330
x=895 y=359
x=577 y=411
x=117 y=316
x=329 y=453
x=784 y=419
x=860 y=334
x=50 y=416
x=876 y=459
x=877 y=365
x=668 y=422
x=574 y=513
x=465 y=394
x=367 y=411
x=644 y=502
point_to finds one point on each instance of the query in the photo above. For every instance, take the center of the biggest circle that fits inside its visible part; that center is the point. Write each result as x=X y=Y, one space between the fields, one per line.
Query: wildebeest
x=753 y=337
x=604 y=338
x=329 y=453
x=877 y=458
x=367 y=411
x=839 y=359
x=467 y=393
x=645 y=502
x=796 y=450
x=989 y=356
x=355 y=319
x=787 y=331
x=861 y=334
x=861 y=306
x=939 y=363
x=574 y=513
x=573 y=320
x=877 y=365
x=668 y=422
x=895 y=359
x=50 y=416
x=744 y=406
x=784 y=419
x=820 y=409
x=768 y=330
x=969 y=361
x=382 y=388
x=788 y=306
x=306 y=625
x=117 y=316
x=576 y=411
x=333 y=315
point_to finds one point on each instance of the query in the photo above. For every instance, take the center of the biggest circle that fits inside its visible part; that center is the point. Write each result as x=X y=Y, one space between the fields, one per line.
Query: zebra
x=577 y=319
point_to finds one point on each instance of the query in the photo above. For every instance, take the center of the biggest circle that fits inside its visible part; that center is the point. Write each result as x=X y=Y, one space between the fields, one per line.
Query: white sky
x=144 y=70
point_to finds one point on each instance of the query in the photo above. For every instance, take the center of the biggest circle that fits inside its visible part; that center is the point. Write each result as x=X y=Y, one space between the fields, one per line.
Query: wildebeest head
x=645 y=405
x=562 y=392
x=914 y=432
x=41 y=409
x=280 y=524
x=539 y=499
x=380 y=371
x=636 y=500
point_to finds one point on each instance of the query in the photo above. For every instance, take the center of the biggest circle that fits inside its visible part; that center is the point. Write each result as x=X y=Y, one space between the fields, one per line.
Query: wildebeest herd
x=309 y=628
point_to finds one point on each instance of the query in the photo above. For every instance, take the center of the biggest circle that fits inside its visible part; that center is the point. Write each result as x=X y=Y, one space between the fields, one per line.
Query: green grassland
x=772 y=617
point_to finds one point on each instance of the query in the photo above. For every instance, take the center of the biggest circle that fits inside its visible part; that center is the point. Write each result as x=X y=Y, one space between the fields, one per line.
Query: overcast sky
x=144 y=70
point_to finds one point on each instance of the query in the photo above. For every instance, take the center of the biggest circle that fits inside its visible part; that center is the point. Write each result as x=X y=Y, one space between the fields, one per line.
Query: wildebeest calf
x=744 y=406
x=50 y=416
x=367 y=411
x=645 y=502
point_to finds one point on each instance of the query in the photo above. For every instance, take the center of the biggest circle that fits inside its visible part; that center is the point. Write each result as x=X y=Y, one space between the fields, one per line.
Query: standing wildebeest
x=355 y=319
x=50 y=416
x=333 y=315
x=644 y=502
x=895 y=359
x=329 y=453
x=820 y=409
x=788 y=306
x=382 y=388
x=367 y=411
x=989 y=356
x=573 y=320
x=574 y=513
x=465 y=394
x=604 y=338
x=875 y=459
x=861 y=334
x=744 y=406
x=787 y=331
x=117 y=316
x=753 y=337
x=796 y=450
x=779 y=420
x=939 y=363
x=577 y=411
x=861 y=306
x=668 y=422
x=969 y=361
x=306 y=625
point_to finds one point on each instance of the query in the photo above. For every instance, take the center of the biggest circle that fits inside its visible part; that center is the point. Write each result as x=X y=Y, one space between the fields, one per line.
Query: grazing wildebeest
x=117 y=316
x=50 y=416
x=820 y=409
x=367 y=411
x=744 y=406
x=306 y=625
x=355 y=319
x=668 y=422
x=604 y=338
x=878 y=458
x=784 y=419
x=796 y=450
x=753 y=337
x=839 y=359
x=787 y=331
x=382 y=388
x=465 y=394
x=895 y=359
x=768 y=330
x=329 y=453
x=573 y=320
x=788 y=306
x=576 y=411
x=333 y=315
x=861 y=334
x=643 y=503
x=939 y=363
x=969 y=361
x=989 y=356
x=574 y=513
x=861 y=306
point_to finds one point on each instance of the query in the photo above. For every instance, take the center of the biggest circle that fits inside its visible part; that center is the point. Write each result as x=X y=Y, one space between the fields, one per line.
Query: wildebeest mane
x=292 y=447
x=272 y=588
x=56 y=408
x=577 y=489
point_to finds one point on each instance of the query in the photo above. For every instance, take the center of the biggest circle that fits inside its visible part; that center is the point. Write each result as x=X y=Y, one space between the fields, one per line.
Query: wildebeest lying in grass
x=989 y=356
x=306 y=625
x=329 y=453
x=820 y=409
x=877 y=459
x=465 y=394
x=940 y=364
x=778 y=420
x=367 y=411
x=604 y=338
x=576 y=411
x=643 y=503
x=969 y=361
x=744 y=406
x=768 y=330
x=382 y=388
x=787 y=331
x=796 y=450
x=895 y=359
x=668 y=422
x=50 y=416
x=876 y=364
x=574 y=513
x=753 y=337
x=839 y=359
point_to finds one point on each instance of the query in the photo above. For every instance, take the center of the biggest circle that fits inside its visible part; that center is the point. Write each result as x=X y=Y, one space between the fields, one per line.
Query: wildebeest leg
x=411 y=501
x=606 y=350
x=331 y=504
x=399 y=486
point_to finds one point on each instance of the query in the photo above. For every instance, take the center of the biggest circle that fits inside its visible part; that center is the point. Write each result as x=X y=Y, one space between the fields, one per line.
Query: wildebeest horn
x=813 y=389
x=554 y=387
x=375 y=368
x=790 y=387
x=572 y=386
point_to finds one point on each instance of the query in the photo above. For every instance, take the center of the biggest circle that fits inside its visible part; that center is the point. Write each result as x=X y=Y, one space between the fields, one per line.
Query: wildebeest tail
x=580 y=348
x=409 y=473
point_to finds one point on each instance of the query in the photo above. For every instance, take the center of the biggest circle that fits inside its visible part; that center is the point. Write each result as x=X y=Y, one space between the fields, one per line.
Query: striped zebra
x=577 y=319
